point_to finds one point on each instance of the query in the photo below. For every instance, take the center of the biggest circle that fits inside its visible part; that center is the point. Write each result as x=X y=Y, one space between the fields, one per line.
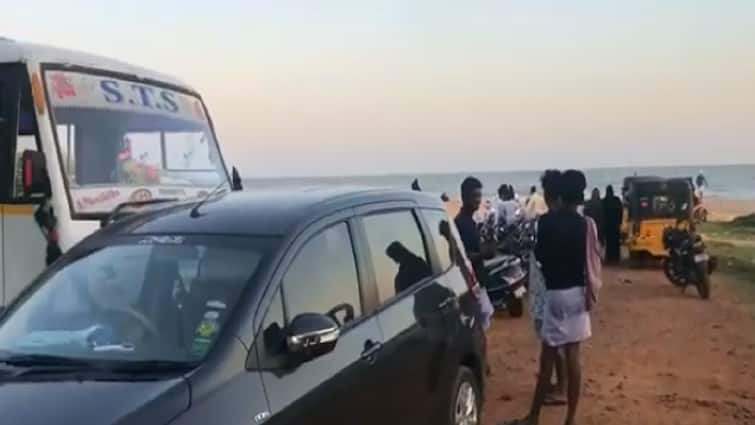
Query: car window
x=323 y=278
x=439 y=224
x=397 y=252
x=145 y=300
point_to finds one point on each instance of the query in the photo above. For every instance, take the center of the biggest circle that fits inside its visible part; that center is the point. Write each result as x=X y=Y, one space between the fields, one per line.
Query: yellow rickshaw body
x=652 y=204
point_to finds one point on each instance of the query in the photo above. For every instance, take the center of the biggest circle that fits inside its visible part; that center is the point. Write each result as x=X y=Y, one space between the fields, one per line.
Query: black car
x=316 y=306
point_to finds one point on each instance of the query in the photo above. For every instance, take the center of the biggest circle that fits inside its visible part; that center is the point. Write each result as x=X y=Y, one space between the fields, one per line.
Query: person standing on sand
x=556 y=394
x=562 y=251
x=700 y=184
x=505 y=206
x=594 y=210
x=613 y=211
x=471 y=199
x=535 y=205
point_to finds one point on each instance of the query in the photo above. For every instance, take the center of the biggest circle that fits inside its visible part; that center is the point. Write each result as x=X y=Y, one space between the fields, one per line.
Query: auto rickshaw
x=652 y=204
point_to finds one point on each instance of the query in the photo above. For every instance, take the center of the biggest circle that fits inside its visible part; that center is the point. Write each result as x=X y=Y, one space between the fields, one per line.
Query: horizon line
x=439 y=173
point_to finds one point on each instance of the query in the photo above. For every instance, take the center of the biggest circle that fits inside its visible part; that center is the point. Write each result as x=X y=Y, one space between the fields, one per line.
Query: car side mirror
x=36 y=181
x=311 y=335
x=236 y=180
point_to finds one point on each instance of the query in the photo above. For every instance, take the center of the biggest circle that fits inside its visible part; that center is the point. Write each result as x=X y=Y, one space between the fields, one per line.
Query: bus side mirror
x=236 y=180
x=36 y=181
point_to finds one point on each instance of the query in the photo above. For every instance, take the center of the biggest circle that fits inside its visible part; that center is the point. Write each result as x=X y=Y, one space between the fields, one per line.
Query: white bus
x=81 y=135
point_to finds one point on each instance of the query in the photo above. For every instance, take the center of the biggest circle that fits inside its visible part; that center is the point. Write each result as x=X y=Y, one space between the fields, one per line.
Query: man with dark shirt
x=471 y=198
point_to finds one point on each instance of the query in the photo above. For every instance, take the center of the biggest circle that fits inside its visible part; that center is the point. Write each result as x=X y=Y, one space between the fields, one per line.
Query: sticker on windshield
x=207 y=328
x=216 y=304
x=204 y=333
x=171 y=192
x=162 y=240
x=62 y=86
x=87 y=201
x=140 y=195
x=82 y=90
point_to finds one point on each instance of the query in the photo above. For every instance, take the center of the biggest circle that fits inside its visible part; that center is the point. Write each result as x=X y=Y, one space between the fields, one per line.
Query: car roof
x=12 y=51
x=263 y=212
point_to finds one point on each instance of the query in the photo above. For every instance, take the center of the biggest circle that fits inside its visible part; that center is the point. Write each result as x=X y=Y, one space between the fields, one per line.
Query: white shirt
x=506 y=210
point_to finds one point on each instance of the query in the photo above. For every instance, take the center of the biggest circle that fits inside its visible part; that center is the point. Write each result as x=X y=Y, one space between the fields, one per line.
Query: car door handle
x=370 y=352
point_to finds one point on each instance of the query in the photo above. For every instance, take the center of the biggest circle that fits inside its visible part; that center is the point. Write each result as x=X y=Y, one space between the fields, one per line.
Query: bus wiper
x=132 y=207
x=220 y=188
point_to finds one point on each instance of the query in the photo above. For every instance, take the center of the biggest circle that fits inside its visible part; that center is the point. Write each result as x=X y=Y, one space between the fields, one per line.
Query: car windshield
x=162 y=298
x=122 y=140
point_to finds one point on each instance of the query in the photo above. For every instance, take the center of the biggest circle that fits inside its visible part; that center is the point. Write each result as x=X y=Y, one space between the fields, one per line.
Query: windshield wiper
x=32 y=360
x=43 y=364
x=150 y=366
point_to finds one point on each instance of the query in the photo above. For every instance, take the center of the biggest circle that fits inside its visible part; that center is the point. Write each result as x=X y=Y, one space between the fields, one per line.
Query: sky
x=340 y=87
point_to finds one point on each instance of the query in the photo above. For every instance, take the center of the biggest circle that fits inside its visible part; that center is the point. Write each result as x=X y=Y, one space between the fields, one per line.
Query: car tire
x=466 y=399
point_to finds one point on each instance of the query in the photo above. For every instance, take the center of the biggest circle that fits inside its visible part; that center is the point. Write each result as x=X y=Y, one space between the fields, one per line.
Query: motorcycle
x=507 y=271
x=688 y=262
x=506 y=283
x=518 y=239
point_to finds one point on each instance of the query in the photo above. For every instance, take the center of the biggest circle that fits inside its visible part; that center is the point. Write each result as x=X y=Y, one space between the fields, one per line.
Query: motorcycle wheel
x=703 y=281
x=668 y=270
x=515 y=307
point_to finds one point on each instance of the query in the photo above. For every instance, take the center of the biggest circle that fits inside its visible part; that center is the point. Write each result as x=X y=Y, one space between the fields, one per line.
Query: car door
x=335 y=388
x=411 y=314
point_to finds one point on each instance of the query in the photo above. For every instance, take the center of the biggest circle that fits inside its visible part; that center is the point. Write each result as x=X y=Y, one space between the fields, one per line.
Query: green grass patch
x=742 y=228
x=737 y=260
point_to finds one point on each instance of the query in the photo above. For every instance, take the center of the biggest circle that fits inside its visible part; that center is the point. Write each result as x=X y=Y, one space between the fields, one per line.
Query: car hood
x=93 y=403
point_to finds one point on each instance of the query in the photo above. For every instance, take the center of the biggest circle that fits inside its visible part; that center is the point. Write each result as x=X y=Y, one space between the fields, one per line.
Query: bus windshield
x=122 y=140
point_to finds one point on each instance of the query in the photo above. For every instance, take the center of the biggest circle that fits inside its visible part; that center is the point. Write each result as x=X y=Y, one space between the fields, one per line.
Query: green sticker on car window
x=204 y=333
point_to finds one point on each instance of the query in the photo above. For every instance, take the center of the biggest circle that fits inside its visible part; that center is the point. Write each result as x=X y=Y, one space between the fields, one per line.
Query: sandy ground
x=727 y=209
x=656 y=357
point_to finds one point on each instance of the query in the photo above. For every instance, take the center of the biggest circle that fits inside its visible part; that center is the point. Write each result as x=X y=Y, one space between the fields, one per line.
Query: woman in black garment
x=561 y=250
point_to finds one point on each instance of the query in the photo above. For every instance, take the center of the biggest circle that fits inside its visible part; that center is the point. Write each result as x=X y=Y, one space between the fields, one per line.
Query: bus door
x=22 y=245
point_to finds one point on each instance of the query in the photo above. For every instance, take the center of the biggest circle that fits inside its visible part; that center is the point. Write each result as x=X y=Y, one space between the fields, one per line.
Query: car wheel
x=466 y=400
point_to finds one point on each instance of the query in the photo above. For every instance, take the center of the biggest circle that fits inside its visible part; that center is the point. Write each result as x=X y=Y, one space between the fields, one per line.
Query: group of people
x=608 y=214
x=564 y=285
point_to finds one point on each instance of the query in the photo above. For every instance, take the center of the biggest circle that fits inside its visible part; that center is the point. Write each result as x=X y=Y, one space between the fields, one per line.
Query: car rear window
x=397 y=251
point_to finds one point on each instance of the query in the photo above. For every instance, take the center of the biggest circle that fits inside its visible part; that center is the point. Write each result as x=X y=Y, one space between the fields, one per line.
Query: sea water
x=726 y=181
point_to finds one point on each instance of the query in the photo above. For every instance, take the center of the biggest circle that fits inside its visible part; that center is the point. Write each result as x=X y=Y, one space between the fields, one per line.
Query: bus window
x=188 y=151
x=27 y=138
x=67 y=139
